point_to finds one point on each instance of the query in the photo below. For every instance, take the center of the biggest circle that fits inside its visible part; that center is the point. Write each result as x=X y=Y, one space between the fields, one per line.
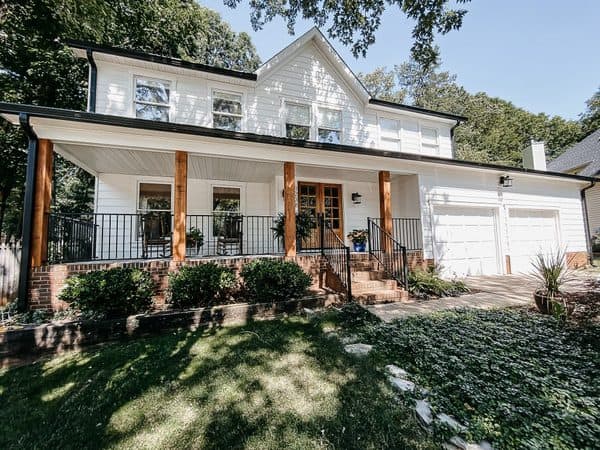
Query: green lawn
x=518 y=380
x=276 y=384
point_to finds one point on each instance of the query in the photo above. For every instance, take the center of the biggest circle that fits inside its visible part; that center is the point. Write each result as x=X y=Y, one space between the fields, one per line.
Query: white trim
x=232 y=185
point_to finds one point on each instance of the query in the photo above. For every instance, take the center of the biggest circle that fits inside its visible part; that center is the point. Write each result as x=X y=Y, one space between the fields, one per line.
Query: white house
x=204 y=143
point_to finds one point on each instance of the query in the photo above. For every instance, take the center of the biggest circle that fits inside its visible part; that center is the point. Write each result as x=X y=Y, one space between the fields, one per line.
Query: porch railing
x=407 y=231
x=388 y=252
x=337 y=254
x=71 y=238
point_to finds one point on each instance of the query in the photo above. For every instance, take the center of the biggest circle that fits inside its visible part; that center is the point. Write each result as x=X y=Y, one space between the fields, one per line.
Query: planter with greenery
x=551 y=272
x=194 y=239
x=269 y=281
x=116 y=292
x=199 y=286
x=305 y=224
x=359 y=239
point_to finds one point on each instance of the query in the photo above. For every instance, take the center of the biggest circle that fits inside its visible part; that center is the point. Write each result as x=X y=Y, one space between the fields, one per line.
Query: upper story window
x=152 y=99
x=227 y=111
x=297 y=121
x=329 y=126
x=389 y=130
x=429 y=140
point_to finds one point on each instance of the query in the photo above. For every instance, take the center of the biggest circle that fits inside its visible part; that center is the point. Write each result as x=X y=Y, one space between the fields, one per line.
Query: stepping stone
x=457 y=442
x=348 y=339
x=424 y=412
x=396 y=371
x=358 y=349
x=451 y=422
x=308 y=312
x=402 y=384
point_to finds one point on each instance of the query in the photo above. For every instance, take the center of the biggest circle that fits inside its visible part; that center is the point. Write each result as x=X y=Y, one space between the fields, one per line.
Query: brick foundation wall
x=46 y=282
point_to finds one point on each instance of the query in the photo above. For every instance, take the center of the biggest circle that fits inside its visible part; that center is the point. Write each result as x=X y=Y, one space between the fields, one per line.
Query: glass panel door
x=318 y=199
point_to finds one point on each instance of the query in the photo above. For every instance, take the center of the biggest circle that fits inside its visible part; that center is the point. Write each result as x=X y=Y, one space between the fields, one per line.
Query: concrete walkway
x=491 y=292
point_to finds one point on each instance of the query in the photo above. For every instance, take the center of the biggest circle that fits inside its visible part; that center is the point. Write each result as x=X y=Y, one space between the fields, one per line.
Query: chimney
x=534 y=156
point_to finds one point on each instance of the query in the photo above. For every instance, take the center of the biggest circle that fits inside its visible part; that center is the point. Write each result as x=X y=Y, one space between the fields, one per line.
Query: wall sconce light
x=356 y=198
x=505 y=181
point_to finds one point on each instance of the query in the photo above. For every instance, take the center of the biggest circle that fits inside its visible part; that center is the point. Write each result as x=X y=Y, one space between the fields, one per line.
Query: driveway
x=499 y=291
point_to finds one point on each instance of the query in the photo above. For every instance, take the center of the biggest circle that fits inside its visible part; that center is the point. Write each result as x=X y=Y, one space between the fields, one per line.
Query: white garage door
x=465 y=240
x=530 y=232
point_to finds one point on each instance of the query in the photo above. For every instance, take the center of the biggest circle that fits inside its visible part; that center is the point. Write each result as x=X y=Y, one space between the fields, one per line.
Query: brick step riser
x=375 y=285
x=367 y=275
x=381 y=297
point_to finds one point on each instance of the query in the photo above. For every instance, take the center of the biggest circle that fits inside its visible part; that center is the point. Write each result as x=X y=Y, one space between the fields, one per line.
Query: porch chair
x=230 y=236
x=156 y=232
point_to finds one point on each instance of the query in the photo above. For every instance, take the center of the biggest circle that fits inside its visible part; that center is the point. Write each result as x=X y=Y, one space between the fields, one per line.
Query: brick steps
x=369 y=284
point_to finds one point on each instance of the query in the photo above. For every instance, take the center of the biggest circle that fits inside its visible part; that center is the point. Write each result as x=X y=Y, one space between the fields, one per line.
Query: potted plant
x=195 y=239
x=305 y=225
x=551 y=272
x=359 y=239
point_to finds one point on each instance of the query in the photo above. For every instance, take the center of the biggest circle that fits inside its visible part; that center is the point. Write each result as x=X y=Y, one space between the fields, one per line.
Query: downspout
x=452 y=143
x=588 y=237
x=92 y=82
x=32 y=150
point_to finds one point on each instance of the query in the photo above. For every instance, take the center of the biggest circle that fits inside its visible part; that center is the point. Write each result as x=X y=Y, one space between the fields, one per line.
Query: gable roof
x=585 y=156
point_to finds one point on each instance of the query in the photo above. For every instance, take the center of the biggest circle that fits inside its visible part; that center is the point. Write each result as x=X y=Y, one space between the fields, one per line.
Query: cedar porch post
x=289 y=207
x=180 y=206
x=385 y=206
x=41 y=203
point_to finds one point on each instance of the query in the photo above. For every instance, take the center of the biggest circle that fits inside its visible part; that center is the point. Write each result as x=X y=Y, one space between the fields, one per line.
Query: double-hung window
x=154 y=197
x=429 y=141
x=389 y=134
x=329 y=126
x=152 y=99
x=227 y=111
x=297 y=121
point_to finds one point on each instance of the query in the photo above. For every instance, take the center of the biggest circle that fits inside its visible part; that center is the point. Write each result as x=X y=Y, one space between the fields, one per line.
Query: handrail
x=337 y=254
x=388 y=252
x=407 y=231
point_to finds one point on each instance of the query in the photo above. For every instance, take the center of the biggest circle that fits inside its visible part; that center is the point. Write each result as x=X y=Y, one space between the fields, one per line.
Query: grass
x=269 y=385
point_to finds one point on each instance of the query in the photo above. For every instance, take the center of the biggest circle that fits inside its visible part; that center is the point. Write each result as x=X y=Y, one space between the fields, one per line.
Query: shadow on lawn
x=266 y=385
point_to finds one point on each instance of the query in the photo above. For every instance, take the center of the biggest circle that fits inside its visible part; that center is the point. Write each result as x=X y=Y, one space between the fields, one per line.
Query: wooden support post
x=289 y=206
x=41 y=203
x=385 y=207
x=180 y=205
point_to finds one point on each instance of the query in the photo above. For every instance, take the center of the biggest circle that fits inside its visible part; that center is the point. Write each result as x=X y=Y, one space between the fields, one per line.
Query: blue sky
x=543 y=55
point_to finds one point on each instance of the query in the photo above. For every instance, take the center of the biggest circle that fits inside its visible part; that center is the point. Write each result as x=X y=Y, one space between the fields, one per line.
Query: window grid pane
x=330 y=119
x=298 y=114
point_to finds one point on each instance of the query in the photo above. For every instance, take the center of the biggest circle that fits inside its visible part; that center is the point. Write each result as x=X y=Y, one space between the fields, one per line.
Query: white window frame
x=228 y=186
x=316 y=120
x=311 y=114
x=169 y=105
x=380 y=134
x=214 y=94
x=437 y=138
x=137 y=200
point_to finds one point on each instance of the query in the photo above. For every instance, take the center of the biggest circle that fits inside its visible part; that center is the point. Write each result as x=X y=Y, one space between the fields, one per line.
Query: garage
x=530 y=232
x=466 y=240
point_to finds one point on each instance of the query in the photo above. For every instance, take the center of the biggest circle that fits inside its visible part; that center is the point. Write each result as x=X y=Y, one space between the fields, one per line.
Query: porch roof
x=64 y=126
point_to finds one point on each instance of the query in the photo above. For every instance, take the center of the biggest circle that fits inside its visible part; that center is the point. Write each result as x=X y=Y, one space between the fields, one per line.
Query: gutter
x=588 y=237
x=93 y=80
x=32 y=152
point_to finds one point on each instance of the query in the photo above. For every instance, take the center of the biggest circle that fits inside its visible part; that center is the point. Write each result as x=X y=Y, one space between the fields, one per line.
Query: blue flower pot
x=359 y=247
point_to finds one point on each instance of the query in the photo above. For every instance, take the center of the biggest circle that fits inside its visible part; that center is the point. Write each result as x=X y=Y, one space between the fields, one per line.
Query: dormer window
x=227 y=111
x=152 y=99
x=297 y=121
x=429 y=141
x=389 y=134
x=329 y=126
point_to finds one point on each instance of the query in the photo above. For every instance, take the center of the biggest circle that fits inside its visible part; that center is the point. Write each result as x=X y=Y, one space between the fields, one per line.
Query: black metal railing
x=336 y=253
x=388 y=252
x=407 y=231
x=71 y=238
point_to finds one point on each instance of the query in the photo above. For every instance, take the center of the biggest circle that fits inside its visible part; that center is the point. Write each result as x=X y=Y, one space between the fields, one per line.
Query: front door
x=321 y=199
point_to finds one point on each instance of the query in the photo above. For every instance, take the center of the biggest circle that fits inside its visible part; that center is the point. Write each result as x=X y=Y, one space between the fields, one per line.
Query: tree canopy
x=37 y=68
x=496 y=130
x=590 y=119
x=354 y=23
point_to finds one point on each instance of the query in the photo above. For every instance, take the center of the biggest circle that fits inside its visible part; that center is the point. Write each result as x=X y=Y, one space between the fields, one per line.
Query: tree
x=590 y=119
x=381 y=84
x=37 y=68
x=354 y=23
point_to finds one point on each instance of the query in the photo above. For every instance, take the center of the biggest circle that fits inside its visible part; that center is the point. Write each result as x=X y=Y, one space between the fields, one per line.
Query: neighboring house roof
x=313 y=35
x=582 y=158
x=14 y=110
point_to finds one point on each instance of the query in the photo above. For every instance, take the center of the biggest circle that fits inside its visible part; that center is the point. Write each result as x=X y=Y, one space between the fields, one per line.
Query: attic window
x=297 y=122
x=152 y=99
x=329 y=126
x=429 y=140
x=227 y=111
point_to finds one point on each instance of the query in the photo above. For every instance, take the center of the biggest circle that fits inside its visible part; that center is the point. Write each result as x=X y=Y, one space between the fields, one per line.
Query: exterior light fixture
x=505 y=181
x=356 y=198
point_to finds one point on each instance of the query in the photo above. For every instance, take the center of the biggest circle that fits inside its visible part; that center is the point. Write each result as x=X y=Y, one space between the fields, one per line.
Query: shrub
x=200 y=286
x=426 y=284
x=267 y=280
x=116 y=292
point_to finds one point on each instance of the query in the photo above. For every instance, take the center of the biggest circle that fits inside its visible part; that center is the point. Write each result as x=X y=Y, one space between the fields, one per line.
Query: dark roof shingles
x=584 y=154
